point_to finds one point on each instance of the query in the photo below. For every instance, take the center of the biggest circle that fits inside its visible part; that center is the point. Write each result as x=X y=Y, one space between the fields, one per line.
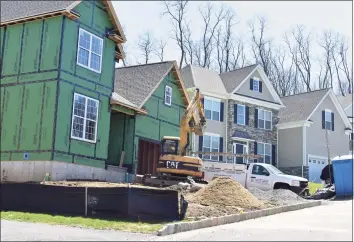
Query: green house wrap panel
x=2 y=95
x=129 y=139
x=147 y=127
x=82 y=148
x=35 y=156
x=101 y=20
x=63 y=157
x=77 y=80
x=48 y=115
x=88 y=74
x=168 y=130
x=85 y=9
x=103 y=128
x=51 y=43
x=11 y=118
x=169 y=113
x=108 y=63
x=50 y=75
x=31 y=46
x=4 y=156
x=89 y=162
x=63 y=121
x=2 y=32
x=31 y=116
x=70 y=45
x=12 y=50
x=116 y=138
x=152 y=105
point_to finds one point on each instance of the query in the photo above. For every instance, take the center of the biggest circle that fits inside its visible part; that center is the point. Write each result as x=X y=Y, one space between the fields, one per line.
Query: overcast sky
x=137 y=17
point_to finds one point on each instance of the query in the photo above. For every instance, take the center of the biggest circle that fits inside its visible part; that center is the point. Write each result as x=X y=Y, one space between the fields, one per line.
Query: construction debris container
x=343 y=175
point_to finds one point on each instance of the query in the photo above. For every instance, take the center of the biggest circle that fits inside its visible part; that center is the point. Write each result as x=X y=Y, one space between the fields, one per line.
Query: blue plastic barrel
x=343 y=175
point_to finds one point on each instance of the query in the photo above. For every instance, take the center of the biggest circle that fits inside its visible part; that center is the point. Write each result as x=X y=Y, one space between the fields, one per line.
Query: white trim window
x=84 y=118
x=240 y=148
x=264 y=119
x=241 y=114
x=328 y=119
x=265 y=150
x=255 y=85
x=90 y=48
x=212 y=109
x=211 y=143
x=168 y=95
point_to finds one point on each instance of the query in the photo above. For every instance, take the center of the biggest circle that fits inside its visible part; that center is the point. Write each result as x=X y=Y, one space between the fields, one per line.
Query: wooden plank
x=121 y=159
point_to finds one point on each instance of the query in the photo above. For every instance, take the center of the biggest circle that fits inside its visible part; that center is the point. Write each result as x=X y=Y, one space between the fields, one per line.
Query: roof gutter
x=295 y=124
x=139 y=111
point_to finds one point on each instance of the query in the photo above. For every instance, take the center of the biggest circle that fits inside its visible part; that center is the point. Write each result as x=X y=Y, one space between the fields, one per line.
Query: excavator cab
x=169 y=145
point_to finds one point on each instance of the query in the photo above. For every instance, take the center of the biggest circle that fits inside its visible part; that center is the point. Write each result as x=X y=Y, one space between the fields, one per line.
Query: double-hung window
x=266 y=151
x=328 y=120
x=264 y=119
x=211 y=143
x=212 y=109
x=168 y=95
x=241 y=114
x=84 y=118
x=89 y=54
x=256 y=85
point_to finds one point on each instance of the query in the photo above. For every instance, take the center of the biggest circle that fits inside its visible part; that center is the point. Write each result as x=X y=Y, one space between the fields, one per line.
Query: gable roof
x=137 y=83
x=233 y=79
x=347 y=104
x=298 y=107
x=13 y=12
x=206 y=80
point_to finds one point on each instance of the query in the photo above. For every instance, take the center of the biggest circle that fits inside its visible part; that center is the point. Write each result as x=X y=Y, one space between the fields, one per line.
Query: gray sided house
x=347 y=105
x=251 y=112
x=312 y=128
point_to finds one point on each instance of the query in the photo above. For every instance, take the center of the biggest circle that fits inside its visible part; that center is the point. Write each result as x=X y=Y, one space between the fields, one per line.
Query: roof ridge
x=238 y=69
x=155 y=63
x=297 y=94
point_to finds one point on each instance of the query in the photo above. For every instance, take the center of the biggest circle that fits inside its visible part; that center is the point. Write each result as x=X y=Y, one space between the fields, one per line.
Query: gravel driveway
x=329 y=222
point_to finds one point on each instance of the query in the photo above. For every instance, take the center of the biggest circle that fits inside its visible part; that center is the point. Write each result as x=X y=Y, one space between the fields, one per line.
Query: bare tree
x=177 y=10
x=189 y=45
x=160 y=49
x=301 y=54
x=344 y=66
x=238 y=55
x=209 y=29
x=146 y=45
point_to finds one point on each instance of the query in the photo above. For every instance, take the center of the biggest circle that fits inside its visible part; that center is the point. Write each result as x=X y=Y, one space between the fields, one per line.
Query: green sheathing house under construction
x=159 y=98
x=57 y=76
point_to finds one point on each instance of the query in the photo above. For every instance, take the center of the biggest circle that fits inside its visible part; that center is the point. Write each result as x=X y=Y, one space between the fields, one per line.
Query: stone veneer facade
x=259 y=135
x=301 y=171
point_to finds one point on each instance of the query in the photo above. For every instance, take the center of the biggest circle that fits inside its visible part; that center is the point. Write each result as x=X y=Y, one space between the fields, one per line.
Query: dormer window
x=255 y=84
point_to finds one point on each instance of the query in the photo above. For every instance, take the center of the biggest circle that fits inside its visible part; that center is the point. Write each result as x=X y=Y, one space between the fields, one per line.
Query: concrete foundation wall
x=34 y=171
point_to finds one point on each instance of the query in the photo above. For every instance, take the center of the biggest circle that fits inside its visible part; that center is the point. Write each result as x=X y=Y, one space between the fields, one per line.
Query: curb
x=215 y=221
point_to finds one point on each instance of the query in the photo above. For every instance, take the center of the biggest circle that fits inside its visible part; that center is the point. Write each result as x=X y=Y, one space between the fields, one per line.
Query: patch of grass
x=94 y=223
x=313 y=187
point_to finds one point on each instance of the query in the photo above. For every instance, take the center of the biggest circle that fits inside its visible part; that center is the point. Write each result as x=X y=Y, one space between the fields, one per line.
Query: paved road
x=330 y=222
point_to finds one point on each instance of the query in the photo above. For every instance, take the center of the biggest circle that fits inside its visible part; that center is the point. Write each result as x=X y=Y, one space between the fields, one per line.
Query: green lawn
x=313 y=186
x=93 y=223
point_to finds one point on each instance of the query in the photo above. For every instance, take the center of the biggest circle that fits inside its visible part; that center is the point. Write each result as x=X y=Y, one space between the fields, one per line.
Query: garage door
x=315 y=168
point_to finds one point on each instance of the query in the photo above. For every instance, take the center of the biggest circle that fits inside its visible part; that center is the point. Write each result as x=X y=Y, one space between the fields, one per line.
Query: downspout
x=303 y=149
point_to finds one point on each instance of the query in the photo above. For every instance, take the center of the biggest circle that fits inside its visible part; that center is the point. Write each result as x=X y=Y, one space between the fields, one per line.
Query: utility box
x=343 y=175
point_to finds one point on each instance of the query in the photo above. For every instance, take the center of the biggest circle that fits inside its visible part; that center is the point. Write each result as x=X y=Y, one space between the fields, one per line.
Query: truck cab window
x=169 y=147
x=259 y=170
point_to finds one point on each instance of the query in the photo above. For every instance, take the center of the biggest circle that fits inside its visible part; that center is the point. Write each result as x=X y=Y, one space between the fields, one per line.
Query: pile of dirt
x=225 y=192
x=199 y=211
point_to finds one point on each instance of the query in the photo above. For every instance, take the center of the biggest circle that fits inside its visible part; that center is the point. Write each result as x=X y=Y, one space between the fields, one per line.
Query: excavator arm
x=190 y=124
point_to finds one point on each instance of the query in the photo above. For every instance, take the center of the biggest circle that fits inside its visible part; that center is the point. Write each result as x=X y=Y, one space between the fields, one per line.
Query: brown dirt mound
x=197 y=210
x=225 y=191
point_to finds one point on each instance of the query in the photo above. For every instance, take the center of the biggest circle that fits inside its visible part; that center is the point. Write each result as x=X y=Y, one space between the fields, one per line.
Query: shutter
x=221 y=148
x=255 y=151
x=323 y=120
x=200 y=146
x=260 y=86
x=273 y=156
x=247 y=115
x=256 y=118
x=221 y=112
x=332 y=121
x=235 y=113
x=251 y=84
x=202 y=101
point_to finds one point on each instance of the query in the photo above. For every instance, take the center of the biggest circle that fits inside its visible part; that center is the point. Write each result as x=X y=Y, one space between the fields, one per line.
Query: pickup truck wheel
x=281 y=186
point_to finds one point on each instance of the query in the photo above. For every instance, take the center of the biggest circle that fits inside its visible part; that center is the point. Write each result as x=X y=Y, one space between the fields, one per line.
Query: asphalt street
x=330 y=222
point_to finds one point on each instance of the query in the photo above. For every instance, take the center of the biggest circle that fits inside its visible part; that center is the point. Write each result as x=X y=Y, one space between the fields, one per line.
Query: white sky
x=137 y=17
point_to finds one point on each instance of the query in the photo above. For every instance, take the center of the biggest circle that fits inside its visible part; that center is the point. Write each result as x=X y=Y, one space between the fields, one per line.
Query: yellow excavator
x=174 y=165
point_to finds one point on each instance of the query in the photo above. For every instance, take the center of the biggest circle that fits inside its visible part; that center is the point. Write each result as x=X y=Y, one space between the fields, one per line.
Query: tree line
x=289 y=64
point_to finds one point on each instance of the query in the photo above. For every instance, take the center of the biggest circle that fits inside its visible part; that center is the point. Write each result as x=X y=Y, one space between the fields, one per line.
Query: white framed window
x=265 y=150
x=211 y=143
x=212 y=109
x=264 y=119
x=328 y=119
x=84 y=118
x=240 y=148
x=255 y=85
x=168 y=95
x=89 y=53
x=241 y=114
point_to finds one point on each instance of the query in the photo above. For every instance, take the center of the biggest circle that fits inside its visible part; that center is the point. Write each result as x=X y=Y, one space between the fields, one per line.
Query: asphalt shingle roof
x=135 y=83
x=13 y=10
x=206 y=80
x=234 y=78
x=299 y=107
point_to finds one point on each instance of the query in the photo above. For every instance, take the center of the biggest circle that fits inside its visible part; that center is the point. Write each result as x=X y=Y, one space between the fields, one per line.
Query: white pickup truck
x=263 y=176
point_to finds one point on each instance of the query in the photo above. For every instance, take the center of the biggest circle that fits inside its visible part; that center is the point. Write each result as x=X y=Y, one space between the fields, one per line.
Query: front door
x=259 y=178
x=239 y=148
